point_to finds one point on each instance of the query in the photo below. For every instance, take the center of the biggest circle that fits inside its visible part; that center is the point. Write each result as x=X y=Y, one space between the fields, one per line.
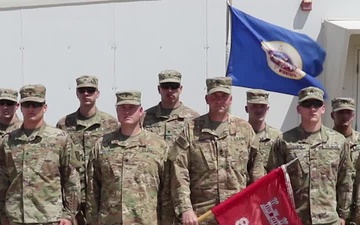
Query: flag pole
x=205 y=216
x=228 y=33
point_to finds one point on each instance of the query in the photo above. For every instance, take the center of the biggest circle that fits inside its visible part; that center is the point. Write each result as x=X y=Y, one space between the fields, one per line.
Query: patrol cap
x=9 y=94
x=343 y=103
x=128 y=97
x=87 y=81
x=32 y=93
x=311 y=93
x=169 y=76
x=222 y=84
x=257 y=96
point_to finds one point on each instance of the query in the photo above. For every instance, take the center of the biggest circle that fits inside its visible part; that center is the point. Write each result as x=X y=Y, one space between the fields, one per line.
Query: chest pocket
x=112 y=166
x=330 y=154
x=301 y=166
x=355 y=150
x=48 y=166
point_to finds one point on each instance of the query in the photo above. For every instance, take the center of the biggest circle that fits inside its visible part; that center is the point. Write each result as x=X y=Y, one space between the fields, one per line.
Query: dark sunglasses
x=308 y=104
x=33 y=104
x=7 y=103
x=172 y=86
x=89 y=90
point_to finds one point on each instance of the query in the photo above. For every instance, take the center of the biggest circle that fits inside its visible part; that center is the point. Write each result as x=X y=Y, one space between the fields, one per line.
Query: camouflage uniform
x=38 y=180
x=321 y=177
x=353 y=140
x=168 y=124
x=267 y=138
x=208 y=167
x=268 y=135
x=84 y=132
x=9 y=95
x=126 y=176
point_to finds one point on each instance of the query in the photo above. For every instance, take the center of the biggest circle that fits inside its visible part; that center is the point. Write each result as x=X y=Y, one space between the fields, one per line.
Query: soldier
x=167 y=119
x=343 y=113
x=321 y=177
x=39 y=183
x=9 y=121
x=85 y=126
x=214 y=157
x=257 y=107
x=126 y=170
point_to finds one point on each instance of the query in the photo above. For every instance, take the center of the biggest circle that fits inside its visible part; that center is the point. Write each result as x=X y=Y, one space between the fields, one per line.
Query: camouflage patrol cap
x=169 y=76
x=343 y=103
x=128 y=97
x=222 y=84
x=87 y=81
x=32 y=93
x=9 y=94
x=311 y=93
x=257 y=96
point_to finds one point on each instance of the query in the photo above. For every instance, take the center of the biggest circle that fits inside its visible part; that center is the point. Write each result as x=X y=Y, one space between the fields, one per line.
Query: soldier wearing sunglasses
x=343 y=113
x=9 y=121
x=322 y=176
x=85 y=126
x=39 y=183
x=167 y=119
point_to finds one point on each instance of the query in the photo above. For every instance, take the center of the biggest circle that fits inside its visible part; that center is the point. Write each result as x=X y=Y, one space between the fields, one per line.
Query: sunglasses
x=33 y=104
x=308 y=104
x=172 y=86
x=7 y=103
x=89 y=90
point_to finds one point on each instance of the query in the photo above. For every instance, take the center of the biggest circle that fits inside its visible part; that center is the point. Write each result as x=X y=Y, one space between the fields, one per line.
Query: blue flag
x=273 y=58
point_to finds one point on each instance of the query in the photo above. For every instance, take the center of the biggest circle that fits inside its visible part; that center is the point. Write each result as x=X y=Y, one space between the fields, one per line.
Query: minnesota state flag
x=270 y=57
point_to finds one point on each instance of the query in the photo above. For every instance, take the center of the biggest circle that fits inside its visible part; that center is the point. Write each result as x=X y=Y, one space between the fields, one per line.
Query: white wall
x=126 y=44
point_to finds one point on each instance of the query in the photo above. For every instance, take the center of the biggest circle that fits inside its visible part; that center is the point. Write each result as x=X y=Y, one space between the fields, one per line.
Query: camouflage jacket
x=125 y=179
x=4 y=129
x=168 y=126
x=321 y=178
x=207 y=169
x=266 y=139
x=38 y=179
x=84 y=134
x=354 y=142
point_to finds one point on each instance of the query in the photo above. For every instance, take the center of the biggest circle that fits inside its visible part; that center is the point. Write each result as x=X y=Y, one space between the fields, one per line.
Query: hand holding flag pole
x=268 y=199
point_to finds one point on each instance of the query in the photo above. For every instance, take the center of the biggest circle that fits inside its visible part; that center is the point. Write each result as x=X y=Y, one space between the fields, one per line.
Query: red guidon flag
x=268 y=201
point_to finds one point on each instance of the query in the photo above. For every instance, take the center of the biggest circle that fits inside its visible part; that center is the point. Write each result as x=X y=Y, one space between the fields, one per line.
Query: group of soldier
x=167 y=164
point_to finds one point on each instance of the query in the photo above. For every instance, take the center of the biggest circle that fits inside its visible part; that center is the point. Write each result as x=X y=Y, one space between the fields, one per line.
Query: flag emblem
x=283 y=59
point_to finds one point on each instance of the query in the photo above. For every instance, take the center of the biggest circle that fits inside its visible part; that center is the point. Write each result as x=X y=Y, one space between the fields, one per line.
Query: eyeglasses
x=89 y=90
x=33 y=104
x=172 y=86
x=312 y=103
x=7 y=103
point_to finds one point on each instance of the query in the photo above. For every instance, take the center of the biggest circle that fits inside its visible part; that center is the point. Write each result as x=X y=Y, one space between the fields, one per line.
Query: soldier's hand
x=342 y=221
x=189 y=218
x=65 y=222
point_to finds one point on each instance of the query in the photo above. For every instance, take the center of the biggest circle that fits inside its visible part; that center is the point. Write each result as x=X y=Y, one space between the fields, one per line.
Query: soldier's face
x=33 y=111
x=311 y=110
x=343 y=118
x=7 y=109
x=257 y=112
x=219 y=102
x=129 y=114
x=170 y=92
x=87 y=95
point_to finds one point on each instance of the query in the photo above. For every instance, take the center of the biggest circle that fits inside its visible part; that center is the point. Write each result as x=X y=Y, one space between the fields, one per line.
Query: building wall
x=127 y=43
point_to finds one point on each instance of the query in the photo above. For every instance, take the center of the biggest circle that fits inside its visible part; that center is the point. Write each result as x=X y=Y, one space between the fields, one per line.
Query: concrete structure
x=126 y=43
